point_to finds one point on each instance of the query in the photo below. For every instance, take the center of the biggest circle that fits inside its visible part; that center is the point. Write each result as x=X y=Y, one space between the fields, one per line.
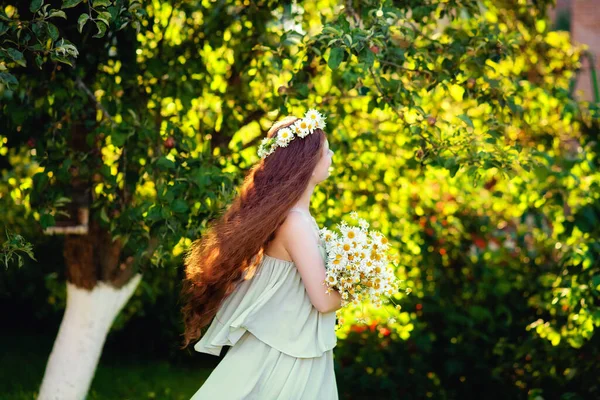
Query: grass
x=23 y=359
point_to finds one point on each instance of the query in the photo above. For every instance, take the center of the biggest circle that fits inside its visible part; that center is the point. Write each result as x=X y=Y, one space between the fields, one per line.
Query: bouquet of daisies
x=357 y=263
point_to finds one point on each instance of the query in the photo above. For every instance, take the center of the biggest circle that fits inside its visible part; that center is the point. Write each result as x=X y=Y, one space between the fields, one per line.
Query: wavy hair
x=233 y=245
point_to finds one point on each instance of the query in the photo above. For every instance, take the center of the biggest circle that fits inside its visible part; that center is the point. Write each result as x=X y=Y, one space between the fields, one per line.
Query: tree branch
x=352 y=12
x=403 y=68
x=387 y=100
x=83 y=87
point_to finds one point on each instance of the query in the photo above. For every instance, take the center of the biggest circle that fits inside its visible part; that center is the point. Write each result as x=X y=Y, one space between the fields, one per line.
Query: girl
x=260 y=272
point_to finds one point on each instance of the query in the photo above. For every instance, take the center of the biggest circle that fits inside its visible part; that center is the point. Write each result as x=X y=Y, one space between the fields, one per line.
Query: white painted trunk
x=78 y=345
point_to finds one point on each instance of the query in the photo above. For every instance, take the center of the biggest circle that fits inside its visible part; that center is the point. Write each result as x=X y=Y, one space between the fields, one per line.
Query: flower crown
x=312 y=120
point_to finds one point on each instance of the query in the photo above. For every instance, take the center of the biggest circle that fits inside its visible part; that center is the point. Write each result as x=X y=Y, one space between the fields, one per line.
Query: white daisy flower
x=351 y=233
x=316 y=118
x=295 y=127
x=363 y=224
x=284 y=136
x=327 y=235
x=320 y=123
x=313 y=115
x=331 y=280
x=303 y=127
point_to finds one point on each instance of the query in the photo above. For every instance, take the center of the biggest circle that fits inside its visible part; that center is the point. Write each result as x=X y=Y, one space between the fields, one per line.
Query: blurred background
x=465 y=131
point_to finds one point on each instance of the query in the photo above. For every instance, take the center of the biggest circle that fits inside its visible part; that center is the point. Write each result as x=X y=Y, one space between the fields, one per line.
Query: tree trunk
x=585 y=28
x=88 y=317
x=98 y=286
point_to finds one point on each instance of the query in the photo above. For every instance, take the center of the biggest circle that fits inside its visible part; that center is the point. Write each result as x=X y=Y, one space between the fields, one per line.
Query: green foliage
x=11 y=248
x=455 y=135
x=483 y=280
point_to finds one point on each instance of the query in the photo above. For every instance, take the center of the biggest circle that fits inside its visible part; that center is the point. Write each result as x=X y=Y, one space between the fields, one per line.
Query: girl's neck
x=301 y=209
x=304 y=202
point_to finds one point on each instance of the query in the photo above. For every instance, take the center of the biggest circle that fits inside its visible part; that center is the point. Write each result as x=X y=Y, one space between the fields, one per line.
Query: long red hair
x=234 y=244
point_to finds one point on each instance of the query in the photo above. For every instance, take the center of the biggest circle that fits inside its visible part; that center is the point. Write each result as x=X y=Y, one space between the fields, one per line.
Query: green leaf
x=302 y=90
x=58 y=14
x=165 y=164
x=336 y=56
x=16 y=56
x=452 y=166
x=101 y=3
x=101 y=29
x=134 y=6
x=39 y=61
x=52 y=31
x=47 y=220
x=367 y=57
x=38 y=28
x=466 y=118
x=83 y=18
x=540 y=25
x=103 y=215
x=118 y=138
x=35 y=5
x=104 y=17
x=62 y=59
x=70 y=3
x=9 y=80
x=179 y=206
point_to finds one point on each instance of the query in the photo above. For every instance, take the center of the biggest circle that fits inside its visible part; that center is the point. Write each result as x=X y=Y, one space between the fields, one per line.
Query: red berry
x=170 y=142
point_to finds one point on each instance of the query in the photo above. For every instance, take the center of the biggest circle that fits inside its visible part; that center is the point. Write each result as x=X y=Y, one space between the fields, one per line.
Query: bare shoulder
x=299 y=241
x=294 y=225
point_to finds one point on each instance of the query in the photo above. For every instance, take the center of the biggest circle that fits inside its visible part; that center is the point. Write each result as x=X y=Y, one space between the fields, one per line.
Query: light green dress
x=282 y=347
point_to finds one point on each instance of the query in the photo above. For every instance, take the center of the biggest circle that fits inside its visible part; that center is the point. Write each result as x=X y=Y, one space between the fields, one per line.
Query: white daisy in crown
x=302 y=127
x=316 y=118
x=284 y=137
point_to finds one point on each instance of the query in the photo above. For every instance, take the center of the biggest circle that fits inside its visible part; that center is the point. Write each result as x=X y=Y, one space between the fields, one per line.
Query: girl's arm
x=300 y=242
